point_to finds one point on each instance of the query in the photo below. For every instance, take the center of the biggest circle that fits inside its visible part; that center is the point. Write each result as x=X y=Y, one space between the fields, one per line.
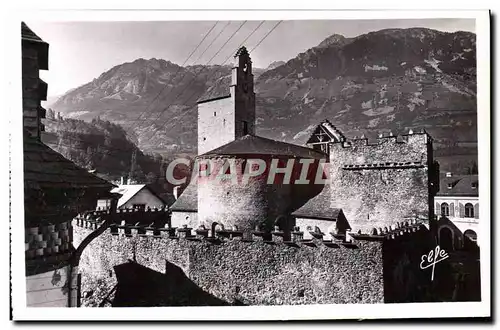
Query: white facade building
x=457 y=211
x=133 y=196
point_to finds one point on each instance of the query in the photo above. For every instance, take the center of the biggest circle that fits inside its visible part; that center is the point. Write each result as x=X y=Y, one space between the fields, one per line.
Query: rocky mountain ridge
x=393 y=79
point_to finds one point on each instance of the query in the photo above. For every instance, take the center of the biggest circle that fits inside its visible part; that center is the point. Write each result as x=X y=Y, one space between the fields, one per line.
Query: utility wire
x=178 y=69
x=203 y=69
x=214 y=74
x=275 y=26
x=194 y=107
x=258 y=44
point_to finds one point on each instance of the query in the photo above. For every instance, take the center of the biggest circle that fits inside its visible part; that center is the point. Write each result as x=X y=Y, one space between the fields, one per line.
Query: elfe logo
x=431 y=259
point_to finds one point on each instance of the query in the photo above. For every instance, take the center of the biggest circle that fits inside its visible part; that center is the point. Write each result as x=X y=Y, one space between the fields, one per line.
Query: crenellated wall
x=206 y=268
x=379 y=183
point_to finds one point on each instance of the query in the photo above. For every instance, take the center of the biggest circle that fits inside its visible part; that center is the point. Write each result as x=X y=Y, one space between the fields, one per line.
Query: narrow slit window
x=245 y=128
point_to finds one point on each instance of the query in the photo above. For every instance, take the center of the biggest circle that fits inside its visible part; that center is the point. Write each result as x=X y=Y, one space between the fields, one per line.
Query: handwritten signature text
x=432 y=258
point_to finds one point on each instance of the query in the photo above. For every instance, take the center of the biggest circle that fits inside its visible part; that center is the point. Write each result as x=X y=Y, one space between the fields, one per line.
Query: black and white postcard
x=250 y=165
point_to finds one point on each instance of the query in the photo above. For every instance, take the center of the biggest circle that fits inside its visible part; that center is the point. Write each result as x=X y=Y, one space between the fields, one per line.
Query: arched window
x=470 y=239
x=469 y=210
x=445 y=210
x=446 y=239
x=471 y=235
x=281 y=222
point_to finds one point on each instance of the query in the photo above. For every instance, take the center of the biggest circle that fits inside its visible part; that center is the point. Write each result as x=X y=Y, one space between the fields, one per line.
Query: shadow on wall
x=456 y=278
x=464 y=260
x=139 y=286
x=451 y=237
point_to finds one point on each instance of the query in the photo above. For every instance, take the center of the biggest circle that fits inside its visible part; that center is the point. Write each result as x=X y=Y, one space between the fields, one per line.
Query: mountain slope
x=392 y=79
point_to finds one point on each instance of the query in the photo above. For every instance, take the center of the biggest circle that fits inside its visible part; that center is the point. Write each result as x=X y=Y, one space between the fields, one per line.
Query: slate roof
x=28 y=35
x=334 y=134
x=257 y=145
x=318 y=208
x=130 y=190
x=31 y=40
x=220 y=89
x=188 y=200
x=46 y=168
x=461 y=185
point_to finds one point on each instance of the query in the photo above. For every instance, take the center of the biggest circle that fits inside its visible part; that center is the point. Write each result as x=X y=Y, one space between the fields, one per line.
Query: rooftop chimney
x=122 y=181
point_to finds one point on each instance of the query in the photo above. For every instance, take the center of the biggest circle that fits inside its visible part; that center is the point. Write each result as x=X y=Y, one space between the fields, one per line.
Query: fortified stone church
x=372 y=185
x=357 y=239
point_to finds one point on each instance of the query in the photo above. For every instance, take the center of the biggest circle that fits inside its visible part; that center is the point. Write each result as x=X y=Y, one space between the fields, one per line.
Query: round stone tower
x=238 y=190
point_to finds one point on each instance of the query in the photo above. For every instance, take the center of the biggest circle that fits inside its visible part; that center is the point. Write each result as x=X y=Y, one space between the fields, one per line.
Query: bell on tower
x=242 y=70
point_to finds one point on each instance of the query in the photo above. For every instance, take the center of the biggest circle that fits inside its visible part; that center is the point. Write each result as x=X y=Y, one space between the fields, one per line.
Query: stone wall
x=239 y=272
x=216 y=124
x=254 y=203
x=179 y=218
x=326 y=226
x=381 y=183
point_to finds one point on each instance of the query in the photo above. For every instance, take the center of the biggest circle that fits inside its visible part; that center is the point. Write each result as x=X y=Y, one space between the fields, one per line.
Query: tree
x=151 y=177
x=50 y=114
x=472 y=169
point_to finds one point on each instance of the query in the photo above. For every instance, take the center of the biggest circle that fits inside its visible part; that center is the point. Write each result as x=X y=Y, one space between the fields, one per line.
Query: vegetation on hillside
x=102 y=147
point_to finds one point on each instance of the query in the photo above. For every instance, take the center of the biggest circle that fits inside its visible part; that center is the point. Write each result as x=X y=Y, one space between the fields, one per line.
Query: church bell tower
x=226 y=116
x=244 y=95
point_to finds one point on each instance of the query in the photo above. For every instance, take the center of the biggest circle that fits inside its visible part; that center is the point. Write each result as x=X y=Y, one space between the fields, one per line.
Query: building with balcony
x=457 y=211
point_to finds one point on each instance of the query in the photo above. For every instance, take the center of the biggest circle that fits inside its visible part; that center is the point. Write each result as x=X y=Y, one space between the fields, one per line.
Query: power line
x=175 y=74
x=188 y=85
x=258 y=44
x=218 y=35
x=275 y=26
x=199 y=57
x=204 y=68
x=230 y=55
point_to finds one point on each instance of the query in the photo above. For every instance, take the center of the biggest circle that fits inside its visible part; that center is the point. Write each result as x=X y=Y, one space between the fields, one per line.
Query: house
x=457 y=210
x=55 y=191
x=137 y=196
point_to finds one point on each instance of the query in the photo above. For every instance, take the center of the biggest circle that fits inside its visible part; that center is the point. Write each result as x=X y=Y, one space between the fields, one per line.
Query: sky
x=81 y=51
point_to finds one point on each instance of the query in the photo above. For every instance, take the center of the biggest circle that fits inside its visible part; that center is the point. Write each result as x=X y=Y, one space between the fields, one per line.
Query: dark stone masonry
x=224 y=271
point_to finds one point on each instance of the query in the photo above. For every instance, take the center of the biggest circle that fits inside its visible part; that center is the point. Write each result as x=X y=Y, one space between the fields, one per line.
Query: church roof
x=257 y=145
x=188 y=200
x=44 y=167
x=459 y=185
x=220 y=89
x=318 y=207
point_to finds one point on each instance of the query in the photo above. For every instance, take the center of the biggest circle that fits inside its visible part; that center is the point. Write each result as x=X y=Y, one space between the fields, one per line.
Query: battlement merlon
x=386 y=148
x=332 y=239
x=384 y=138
